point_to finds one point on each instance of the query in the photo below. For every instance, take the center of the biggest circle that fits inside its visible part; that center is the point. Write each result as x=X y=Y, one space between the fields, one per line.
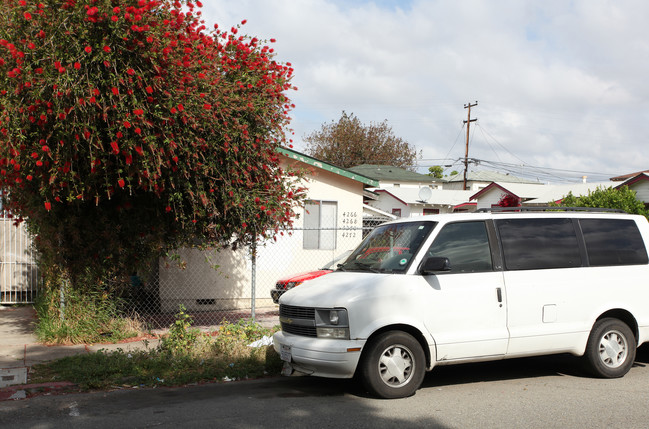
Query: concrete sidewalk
x=19 y=347
x=20 y=350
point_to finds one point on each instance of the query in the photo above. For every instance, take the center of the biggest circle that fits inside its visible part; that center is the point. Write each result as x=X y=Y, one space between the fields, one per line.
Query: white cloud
x=559 y=84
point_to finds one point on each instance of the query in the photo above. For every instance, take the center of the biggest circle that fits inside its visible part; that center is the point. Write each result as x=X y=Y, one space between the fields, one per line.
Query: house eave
x=327 y=167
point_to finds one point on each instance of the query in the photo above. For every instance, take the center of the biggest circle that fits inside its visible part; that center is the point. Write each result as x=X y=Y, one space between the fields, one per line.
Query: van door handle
x=499 y=294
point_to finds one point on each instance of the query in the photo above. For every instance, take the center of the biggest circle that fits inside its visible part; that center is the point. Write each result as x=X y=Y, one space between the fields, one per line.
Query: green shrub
x=178 y=360
x=181 y=338
x=622 y=198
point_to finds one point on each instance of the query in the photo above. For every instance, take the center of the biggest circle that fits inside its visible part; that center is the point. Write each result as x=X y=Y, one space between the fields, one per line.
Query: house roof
x=627 y=176
x=390 y=173
x=539 y=194
x=369 y=211
x=489 y=176
x=410 y=196
x=634 y=179
x=520 y=190
x=557 y=192
x=327 y=166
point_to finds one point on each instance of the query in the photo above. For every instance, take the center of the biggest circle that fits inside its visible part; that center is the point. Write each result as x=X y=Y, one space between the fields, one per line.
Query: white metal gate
x=19 y=276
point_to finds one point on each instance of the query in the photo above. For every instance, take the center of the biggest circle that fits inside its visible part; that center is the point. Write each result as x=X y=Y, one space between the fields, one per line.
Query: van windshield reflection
x=389 y=248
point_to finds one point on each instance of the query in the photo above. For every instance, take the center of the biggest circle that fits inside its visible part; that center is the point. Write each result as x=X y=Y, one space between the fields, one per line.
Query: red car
x=290 y=282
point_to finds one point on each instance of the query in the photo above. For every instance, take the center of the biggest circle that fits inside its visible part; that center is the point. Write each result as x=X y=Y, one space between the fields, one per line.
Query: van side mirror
x=434 y=264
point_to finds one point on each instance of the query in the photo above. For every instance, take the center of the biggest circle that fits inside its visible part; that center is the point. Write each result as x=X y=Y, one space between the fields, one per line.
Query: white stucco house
x=329 y=224
x=638 y=182
x=413 y=202
x=478 y=180
x=532 y=195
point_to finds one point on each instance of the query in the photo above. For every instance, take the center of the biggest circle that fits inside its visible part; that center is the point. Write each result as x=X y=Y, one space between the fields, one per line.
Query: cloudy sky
x=561 y=85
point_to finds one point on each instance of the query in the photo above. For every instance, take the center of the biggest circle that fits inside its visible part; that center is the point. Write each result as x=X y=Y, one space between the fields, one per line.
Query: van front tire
x=393 y=365
x=611 y=349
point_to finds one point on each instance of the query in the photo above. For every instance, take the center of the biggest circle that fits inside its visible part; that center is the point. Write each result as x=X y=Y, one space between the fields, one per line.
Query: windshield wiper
x=360 y=265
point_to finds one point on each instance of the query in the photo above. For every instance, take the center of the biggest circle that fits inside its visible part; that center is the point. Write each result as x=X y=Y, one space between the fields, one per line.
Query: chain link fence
x=213 y=287
x=230 y=285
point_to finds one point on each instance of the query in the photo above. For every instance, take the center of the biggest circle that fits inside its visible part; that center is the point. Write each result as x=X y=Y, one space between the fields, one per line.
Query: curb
x=24 y=391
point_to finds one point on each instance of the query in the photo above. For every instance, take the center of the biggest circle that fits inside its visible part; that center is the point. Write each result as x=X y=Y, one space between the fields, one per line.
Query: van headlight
x=332 y=323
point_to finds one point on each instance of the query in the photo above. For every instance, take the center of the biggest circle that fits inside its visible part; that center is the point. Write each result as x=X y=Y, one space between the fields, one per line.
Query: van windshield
x=389 y=248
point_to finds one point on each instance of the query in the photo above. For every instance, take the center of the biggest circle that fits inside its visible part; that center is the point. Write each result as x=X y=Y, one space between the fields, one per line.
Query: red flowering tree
x=128 y=128
x=509 y=200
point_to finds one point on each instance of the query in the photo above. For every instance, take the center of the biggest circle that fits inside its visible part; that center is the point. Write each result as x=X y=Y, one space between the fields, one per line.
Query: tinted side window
x=466 y=245
x=532 y=244
x=613 y=242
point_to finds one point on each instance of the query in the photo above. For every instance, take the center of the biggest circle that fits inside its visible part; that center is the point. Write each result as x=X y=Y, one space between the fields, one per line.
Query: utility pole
x=466 y=152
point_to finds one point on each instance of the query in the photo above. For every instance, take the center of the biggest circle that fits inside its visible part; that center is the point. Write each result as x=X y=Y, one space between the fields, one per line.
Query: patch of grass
x=82 y=316
x=184 y=356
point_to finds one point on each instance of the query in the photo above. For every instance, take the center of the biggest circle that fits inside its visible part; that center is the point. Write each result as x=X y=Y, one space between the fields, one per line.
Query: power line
x=525 y=170
x=455 y=142
x=521 y=169
x=498 y=143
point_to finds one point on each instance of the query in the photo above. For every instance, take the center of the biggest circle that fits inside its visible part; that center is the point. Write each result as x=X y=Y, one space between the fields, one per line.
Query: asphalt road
x=521 y=393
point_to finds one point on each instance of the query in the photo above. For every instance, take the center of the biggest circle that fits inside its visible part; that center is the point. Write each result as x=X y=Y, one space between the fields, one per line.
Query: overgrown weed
x=82 y=316
x=183 y=356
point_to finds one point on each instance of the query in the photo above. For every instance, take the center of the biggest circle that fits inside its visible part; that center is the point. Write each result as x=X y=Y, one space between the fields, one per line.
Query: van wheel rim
x=396 y=365
x=613 y=349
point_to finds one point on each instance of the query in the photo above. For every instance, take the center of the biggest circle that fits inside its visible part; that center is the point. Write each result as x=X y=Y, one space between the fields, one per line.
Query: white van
x=446 y=289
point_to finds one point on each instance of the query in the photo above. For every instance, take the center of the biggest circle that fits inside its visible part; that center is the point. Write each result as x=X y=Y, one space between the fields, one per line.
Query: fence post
x=253 y=256
x=62 y=300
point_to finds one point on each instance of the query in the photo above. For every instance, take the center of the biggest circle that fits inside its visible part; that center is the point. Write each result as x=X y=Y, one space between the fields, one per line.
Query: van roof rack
x=548 y=209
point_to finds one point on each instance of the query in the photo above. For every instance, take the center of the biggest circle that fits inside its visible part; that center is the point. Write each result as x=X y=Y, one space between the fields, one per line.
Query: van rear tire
x=611 y=349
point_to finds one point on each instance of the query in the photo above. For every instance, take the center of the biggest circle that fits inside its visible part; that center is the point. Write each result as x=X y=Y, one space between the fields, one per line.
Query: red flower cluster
x=142 y=94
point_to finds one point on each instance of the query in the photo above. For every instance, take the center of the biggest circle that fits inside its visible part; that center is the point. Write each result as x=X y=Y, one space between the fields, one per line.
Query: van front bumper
x=319 y=356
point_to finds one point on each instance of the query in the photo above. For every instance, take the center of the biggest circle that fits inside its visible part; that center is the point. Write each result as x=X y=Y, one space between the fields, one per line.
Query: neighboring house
x=412 y=202
x=400 y=190
x=478 y=180
x=626 y=177
x=373 y=215
x=395 y=177
x=532 y=195
x=639 y=182
x=329 y=224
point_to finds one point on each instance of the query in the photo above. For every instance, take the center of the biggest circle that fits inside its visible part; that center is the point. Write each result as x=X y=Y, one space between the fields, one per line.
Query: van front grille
x=297 y=320
x=294 y=312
